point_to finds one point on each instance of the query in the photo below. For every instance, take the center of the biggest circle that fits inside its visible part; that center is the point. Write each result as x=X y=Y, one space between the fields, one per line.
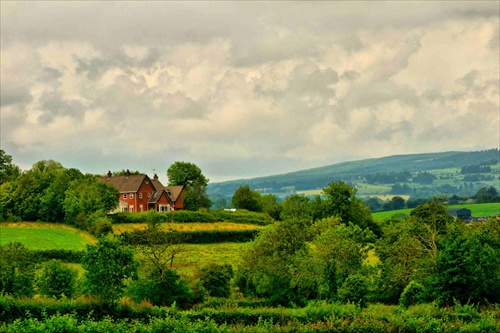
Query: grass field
x=477 y=210
x=119 y=228
x=43 y=236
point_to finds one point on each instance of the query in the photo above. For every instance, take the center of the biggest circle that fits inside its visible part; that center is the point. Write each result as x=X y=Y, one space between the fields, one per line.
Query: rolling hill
x=356 y=172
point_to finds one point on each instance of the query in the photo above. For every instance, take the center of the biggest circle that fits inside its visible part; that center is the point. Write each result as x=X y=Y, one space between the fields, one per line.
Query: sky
x=245 y=89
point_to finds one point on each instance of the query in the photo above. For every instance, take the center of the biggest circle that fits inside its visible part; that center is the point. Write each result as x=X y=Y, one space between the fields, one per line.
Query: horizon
x=245 y=90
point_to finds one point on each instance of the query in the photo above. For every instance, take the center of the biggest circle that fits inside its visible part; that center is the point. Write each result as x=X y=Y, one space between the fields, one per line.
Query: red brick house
x=140 y=193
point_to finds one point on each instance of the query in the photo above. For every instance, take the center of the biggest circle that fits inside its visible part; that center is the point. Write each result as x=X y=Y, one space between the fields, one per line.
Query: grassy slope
x=42 y=236
x=477 y=210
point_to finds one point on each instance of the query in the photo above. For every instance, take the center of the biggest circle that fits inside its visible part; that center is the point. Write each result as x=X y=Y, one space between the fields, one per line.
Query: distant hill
x=318 y=178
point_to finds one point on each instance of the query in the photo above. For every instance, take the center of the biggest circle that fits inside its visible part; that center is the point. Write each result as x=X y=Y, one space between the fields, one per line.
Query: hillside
x=357 y=171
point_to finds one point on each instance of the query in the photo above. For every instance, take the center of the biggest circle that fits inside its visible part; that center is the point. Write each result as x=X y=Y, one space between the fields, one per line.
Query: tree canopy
x=185 y=173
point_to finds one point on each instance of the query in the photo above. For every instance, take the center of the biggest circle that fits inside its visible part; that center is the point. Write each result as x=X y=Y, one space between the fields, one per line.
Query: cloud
x=245 y=89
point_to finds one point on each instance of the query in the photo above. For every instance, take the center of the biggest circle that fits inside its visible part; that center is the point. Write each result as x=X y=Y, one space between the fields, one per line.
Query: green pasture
x=477 y=210
x=44 y=236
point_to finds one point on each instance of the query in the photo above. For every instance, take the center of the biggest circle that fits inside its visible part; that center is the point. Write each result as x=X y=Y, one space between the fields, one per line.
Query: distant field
x=477 y=210
x=43 y=236
x=119 y=228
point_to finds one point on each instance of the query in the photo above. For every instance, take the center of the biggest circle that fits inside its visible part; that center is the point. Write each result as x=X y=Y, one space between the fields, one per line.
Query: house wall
x=180 y=201
x=164 y=200
x=145 y=189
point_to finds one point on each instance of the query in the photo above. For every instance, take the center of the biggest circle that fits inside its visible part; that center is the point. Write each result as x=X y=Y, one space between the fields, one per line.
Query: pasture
x=44 y=236
x=477 y=210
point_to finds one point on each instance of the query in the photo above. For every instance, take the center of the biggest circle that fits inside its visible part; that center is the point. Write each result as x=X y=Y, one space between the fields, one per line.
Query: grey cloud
x=14 y=95
x=53 y=104
x=94 y=68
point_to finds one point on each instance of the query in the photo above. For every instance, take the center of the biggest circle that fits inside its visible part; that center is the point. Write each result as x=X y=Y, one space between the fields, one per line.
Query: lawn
x=44 y=236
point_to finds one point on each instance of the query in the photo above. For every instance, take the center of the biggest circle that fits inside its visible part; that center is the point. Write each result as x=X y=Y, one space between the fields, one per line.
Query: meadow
x=477 y=210
x=44 y=236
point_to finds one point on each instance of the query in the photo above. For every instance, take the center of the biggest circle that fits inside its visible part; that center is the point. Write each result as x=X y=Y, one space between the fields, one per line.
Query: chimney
x=155 y=177
x=128 y=172
x=109 y=174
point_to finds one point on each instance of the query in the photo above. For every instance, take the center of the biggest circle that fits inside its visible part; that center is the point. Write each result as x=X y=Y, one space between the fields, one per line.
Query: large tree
x=245 y=198
x=195 y=184
x=8 y=171
x=185 y=173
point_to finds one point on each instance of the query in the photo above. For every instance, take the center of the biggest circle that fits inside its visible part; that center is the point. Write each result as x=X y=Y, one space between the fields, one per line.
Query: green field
x=44 y=236
x=477 y=210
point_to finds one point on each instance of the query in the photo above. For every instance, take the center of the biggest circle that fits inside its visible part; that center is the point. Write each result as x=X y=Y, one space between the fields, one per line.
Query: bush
x=137 y=237
x=56 y=280
x=70 y=256
x=216 y=279
x=412 y=294
x=354 y=289
x=162 y=289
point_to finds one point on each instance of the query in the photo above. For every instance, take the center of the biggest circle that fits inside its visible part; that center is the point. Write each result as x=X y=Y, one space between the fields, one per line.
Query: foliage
x=487 y=194
x=88 y=196
x=108 y=264
x=354 y=289
x=185 y=173
x=215 y=279
x=17 y=270
x=195 y=197
x=245 y=198
x=271 y=206
x=413 y=294
x=161 y=289
x=296 y=207
x=8 y=171
x=55 y=280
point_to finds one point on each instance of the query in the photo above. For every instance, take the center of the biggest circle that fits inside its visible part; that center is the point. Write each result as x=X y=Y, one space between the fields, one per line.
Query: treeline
x=51 y=193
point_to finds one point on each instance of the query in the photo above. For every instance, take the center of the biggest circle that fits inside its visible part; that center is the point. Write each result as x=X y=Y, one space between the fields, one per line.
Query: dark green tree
x=270 y=205
x=108 y=264
x=245 y=198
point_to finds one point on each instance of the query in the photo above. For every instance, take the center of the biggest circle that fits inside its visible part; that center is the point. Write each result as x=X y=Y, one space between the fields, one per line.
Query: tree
x=17 y=270
x=270 y=205
x=341 y=201
x=86 y=196
x=296 y=207
x=267 y=264
x=195 y=197
x=8 y=171
x=245 y=198
x=487 y=194
x=56 y=280
x=107 y=265
x=185 y=173
x=195 y=184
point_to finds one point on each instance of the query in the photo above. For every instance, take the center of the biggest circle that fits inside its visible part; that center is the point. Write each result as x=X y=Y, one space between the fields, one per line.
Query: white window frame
x=131 y=195
x=131 y=208
x=124 y=195
x=140 y=195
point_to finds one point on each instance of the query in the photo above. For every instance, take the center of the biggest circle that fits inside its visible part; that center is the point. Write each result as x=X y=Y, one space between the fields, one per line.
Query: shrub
x=354 y=289
x=56 y=280
x=412 y=294
x=216 y=278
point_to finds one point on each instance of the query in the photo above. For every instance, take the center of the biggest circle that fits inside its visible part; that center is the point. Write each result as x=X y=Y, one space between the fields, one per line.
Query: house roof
x=173 y=192
x=130 y=183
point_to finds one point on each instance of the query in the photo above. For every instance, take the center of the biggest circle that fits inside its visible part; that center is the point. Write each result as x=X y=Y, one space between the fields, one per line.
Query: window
x=131 y=195
x=140 y=208
x=163 y=208
x=149 y=195
x=124 y=195
x=131 y=209
x=140 y=195
x=124 y=209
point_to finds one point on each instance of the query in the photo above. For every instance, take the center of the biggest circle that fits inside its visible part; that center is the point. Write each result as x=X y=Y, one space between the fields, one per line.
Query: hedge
x=186 y=216
x=70 y=256
x=137 y=237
